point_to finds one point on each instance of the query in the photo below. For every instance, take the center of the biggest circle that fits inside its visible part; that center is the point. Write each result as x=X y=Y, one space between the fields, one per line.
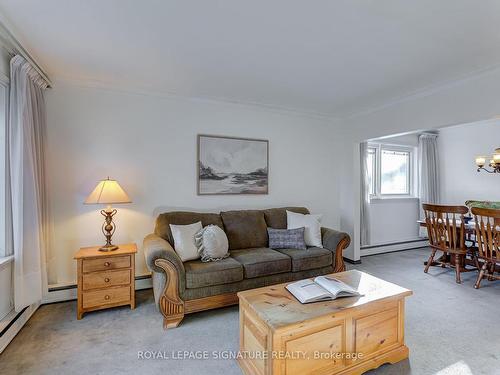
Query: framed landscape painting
x=228 y=165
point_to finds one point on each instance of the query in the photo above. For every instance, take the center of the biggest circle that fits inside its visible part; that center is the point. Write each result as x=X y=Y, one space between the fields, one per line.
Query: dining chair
x=446 y=232
x=488 y=241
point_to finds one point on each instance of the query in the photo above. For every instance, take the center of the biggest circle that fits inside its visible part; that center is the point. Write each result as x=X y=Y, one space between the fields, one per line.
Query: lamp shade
x=496 y=156
x=480 y=161
x=107 y=192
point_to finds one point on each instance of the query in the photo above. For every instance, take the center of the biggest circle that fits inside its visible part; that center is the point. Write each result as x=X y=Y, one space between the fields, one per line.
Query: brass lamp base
x=108 y=229
x=108 y=248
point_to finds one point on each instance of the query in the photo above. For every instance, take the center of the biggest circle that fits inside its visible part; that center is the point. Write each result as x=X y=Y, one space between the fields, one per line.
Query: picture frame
x=232 y=165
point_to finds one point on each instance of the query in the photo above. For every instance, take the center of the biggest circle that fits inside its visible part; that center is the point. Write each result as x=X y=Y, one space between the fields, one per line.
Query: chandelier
x=494 y=162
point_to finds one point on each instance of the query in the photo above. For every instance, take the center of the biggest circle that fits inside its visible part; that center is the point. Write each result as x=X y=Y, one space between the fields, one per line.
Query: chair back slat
x=488 y=232
x=445 y=226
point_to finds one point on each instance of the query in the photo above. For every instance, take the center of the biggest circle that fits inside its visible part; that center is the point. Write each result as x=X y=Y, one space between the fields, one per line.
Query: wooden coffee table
x=279 y=335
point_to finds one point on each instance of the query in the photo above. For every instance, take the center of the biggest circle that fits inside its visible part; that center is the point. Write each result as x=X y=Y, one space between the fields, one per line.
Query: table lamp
x=108 y=192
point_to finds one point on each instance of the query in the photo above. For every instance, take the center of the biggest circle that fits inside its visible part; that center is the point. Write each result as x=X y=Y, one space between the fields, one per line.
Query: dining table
x=469 y=225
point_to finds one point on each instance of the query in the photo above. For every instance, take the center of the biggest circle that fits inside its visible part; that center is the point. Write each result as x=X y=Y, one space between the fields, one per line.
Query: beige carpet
x=450 y=329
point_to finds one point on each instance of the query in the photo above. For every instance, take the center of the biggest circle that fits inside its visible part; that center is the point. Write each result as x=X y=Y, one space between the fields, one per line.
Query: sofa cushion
x=262 y=262
x=201 y=274
x=313 y=257
x=245 y=229
x=164 y=220
x=276 y=217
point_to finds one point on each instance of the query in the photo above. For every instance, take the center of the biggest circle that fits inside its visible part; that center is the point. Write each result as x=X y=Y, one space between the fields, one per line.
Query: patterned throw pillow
x=286 y=238
x=212 y=243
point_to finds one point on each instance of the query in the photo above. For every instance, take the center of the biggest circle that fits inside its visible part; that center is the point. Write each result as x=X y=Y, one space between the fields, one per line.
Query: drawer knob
x=107 y=264
x=106 y=297
x=106 y=280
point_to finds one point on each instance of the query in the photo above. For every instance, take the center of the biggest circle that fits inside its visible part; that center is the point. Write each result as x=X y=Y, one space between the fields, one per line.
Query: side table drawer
x=105 y=279
x=105 y=297
x=103 y=264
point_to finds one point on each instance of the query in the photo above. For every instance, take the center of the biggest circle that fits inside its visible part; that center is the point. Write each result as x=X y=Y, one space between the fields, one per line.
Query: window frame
x=373 y=166
x=412 y=152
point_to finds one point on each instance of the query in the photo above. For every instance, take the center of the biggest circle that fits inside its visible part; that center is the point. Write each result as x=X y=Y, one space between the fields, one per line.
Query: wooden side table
x=105 y=279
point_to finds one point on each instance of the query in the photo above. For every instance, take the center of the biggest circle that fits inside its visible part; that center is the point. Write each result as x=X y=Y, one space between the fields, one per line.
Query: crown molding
x=13 y=45
x=424 y=92
x=144 y=91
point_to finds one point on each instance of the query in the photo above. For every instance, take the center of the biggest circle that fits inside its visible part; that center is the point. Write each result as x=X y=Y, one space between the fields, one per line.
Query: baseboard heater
x=15 y=324
x=12 y=321
x=394 y=246
x=350 y=261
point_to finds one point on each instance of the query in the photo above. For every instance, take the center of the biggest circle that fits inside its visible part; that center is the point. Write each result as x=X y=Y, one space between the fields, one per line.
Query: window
x=394 y=172
x=390 y=170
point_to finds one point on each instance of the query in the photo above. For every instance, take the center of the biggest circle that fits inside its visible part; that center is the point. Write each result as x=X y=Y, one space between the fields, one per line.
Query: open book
x=322 y=288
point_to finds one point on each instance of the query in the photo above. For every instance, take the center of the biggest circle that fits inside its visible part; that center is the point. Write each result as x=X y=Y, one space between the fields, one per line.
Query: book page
x=308 y=291
x=335 y=286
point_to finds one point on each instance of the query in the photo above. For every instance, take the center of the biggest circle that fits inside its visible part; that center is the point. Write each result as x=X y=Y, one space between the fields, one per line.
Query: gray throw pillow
x=212 y=243
x=287 y=238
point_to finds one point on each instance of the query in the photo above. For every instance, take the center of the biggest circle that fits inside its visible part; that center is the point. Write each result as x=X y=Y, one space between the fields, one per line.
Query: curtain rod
x=13 y=46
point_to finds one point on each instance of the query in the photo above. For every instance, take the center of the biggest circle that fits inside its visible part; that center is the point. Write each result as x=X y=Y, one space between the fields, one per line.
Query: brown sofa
x=186 y=287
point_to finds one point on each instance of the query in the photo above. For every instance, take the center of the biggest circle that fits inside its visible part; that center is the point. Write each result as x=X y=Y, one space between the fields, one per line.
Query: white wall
x=468 y=100
x=393 y=220
x=148 y=143
x=458 y=147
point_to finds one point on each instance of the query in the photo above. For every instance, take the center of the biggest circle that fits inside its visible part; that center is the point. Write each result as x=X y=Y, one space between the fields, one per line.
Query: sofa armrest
x=161 y=257
x=336 y=242
x=155 y=248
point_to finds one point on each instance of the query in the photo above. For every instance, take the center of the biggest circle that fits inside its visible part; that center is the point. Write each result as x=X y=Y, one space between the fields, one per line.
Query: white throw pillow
x=311 y=223
x=212 y=243
x=184 y=244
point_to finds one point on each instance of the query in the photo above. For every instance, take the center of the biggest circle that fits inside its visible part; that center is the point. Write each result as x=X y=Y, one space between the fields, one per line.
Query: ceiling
x=334 y=58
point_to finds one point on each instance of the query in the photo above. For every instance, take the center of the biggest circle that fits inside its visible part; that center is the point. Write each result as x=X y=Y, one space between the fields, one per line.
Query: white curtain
x=365 y=196
x=428 y=172
x=27 y=206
